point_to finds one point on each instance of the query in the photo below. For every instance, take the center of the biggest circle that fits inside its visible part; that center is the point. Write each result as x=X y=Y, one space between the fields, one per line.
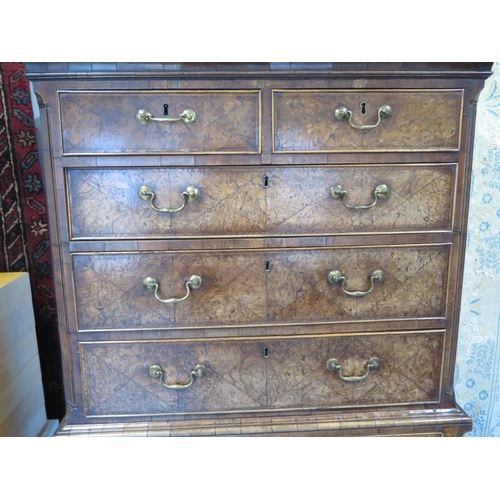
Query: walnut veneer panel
x=414 y=284
x=104 y=203
x=264 y=234
x=259 y=287
x=421 y=120
x=420 y=199
x=105 y=122
x=263 y=374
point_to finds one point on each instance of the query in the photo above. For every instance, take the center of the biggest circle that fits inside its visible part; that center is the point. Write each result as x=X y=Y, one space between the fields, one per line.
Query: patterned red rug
x=24 y=227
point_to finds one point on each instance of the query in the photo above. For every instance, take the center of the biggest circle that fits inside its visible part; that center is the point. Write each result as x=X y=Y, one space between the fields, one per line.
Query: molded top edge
x=114 y=70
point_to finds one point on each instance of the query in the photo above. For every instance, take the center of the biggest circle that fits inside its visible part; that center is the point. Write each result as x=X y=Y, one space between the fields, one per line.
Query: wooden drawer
x=248 y=288
x=306 y=200
x=105 y=203
x=420 y=120
x=99 y=122
x=260 y=374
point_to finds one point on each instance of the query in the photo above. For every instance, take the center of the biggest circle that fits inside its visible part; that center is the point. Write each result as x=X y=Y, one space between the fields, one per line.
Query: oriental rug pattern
x=24 y=229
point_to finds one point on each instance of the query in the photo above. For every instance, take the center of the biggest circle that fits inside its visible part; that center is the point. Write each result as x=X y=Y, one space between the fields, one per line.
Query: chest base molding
x=452 y=422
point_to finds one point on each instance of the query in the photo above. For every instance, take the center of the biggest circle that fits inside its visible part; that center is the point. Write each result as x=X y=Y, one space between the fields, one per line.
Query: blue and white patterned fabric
x=477 y=375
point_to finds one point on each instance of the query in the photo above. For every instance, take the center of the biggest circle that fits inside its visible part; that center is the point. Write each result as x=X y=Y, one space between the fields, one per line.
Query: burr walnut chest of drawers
x=259 y=249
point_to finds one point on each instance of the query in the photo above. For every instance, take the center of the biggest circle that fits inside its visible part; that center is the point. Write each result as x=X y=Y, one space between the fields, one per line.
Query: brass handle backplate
x=342 y=113
x=152 y=285
x=336 y=277
x=156 y=371
x=147 y=194
x=143 y=116
x=380 y=192
x=334 y=366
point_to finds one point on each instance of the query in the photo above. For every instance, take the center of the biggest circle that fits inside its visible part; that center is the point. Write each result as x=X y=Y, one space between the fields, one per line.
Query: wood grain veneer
x=254 y=288
x=421 y=120
x=240 y=378
x=104 y=203
x=264 y=151
x=104 y=122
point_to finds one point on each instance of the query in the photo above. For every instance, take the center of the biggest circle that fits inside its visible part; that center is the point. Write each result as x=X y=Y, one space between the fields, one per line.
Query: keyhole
x=363 y=108
x=266 y=352
x=165 y=109
x=268 y=266
x=266 y=181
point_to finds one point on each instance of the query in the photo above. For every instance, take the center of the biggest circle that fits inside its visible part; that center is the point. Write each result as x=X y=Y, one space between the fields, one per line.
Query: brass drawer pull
x=151 y=284
x=156 y=371
x=147 y=194
x=383 y=112
x=334 y=366
x=144 y=117
x=335 y=277
x=380 y=192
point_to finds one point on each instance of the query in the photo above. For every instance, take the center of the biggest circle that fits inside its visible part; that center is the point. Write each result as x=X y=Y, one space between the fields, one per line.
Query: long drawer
x=203 y=376
x=124 y=122
x=366 y=120
x=156 y=290
x=150 y=202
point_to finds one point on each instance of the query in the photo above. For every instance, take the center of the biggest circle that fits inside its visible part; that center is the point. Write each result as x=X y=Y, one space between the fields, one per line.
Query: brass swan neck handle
x=380 y=192
x=156 y=371
x=147 y=194
x=334 y=365
x=336 y=277
x=143 y=116
x=343 y=113
x=151 y=284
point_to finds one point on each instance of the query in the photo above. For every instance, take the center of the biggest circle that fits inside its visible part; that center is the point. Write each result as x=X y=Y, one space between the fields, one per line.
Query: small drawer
x=125 y=123
x=159 y=290
x=202 y=376
x=366 y=120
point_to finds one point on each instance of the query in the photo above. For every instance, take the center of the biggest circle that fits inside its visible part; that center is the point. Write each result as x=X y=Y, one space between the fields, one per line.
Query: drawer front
x=419 y=120
x=261 y=374
x=105 y=203
x=249 y=288
x=372 y=199
x=105 y=122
